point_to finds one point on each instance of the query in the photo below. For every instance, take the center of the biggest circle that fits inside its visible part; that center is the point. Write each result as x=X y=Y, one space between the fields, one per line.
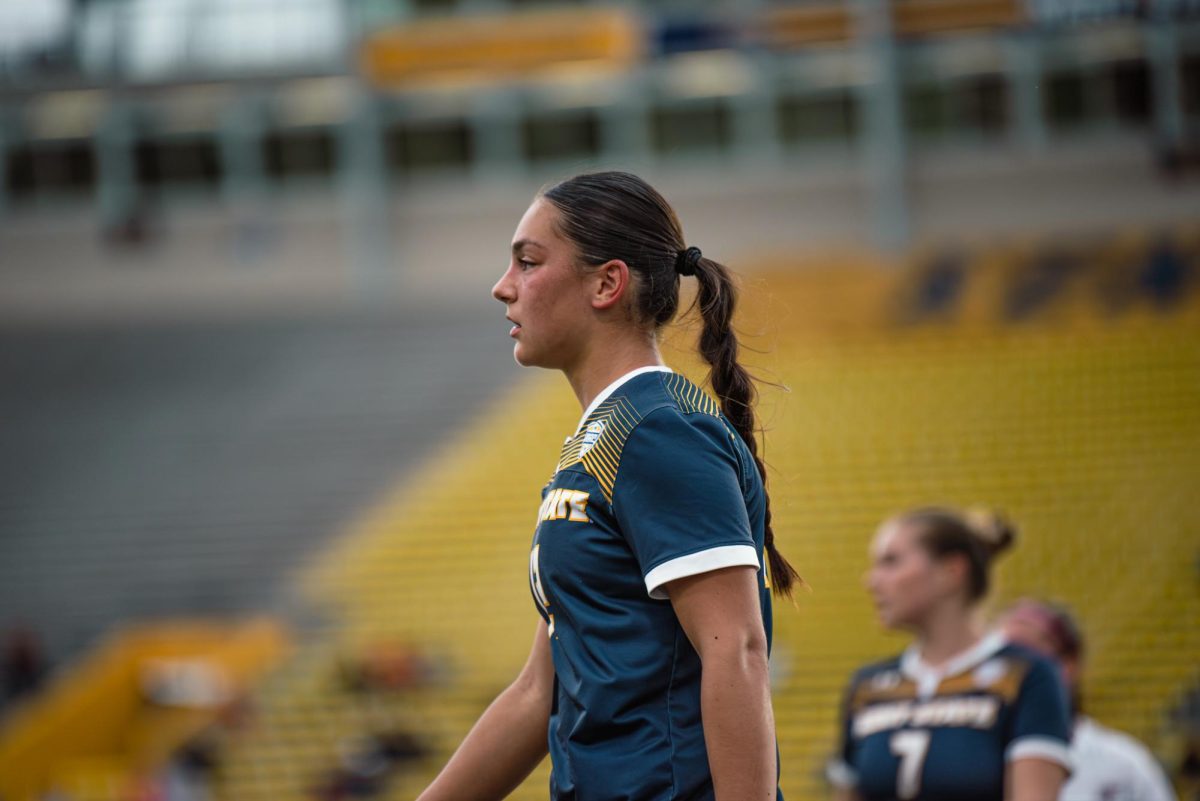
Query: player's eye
x=525 y=263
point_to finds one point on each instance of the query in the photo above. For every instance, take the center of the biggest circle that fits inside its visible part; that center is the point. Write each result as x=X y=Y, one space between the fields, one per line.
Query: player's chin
x=545 y=358
x=885 y=617
x=524 y=355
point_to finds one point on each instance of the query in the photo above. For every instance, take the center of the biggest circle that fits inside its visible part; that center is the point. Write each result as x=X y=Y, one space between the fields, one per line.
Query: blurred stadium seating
x=141 y=696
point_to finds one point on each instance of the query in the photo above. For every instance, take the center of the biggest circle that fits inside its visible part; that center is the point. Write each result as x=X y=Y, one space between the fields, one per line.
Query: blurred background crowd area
x=268 y=472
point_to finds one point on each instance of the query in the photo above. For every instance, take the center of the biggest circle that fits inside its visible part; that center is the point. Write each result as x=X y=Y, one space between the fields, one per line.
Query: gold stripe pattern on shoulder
x=598 y=443
x=884 y=687
x=689 y=396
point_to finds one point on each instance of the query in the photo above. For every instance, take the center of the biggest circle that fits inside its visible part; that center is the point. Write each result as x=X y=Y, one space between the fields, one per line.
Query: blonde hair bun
x=992 y=529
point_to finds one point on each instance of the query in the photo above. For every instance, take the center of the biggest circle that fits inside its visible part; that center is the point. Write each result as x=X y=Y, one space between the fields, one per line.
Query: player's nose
x=869 y=581
x=504 y=290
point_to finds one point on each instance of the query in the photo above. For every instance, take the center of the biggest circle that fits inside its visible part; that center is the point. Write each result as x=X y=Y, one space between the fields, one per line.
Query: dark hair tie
x=686 y=261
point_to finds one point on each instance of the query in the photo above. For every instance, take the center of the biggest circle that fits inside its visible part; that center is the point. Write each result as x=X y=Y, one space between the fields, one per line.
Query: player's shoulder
x=1026 y=662
x=676 y=420
x=878 y=673
x=1020 y=653
x=685 y=397
x=876 y=682
x=666 y=391
x=661 y=417
x=642 y=409
x=664 y=411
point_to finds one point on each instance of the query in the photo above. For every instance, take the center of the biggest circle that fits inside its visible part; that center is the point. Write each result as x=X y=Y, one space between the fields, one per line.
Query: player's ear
x=941 y=574
x=953 y=569
x=610 y=284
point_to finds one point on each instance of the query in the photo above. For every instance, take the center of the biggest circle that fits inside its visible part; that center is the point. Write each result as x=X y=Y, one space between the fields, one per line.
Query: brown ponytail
x=717 y=299
x=616 y=215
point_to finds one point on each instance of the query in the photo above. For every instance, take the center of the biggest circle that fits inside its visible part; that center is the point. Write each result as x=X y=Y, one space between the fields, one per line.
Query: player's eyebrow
x=521 y=244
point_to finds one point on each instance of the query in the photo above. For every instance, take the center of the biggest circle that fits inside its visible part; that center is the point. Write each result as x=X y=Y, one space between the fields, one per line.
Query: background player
x=649 y=669
x=1106 y=763
x=962 y=715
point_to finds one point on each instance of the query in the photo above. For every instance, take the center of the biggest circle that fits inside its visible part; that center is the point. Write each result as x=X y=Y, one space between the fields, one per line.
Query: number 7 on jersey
x=911 y=746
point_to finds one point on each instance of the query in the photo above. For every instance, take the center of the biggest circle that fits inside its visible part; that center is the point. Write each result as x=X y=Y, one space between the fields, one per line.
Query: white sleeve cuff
x=840 y=774
x=693 y=564
x=1045 y=748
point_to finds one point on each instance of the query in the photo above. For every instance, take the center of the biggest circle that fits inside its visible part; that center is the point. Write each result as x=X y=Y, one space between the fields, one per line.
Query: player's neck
x=603 y=364
x=947 y=633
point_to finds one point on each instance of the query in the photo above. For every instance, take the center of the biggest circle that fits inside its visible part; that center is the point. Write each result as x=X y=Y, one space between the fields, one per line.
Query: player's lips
x=516 y=327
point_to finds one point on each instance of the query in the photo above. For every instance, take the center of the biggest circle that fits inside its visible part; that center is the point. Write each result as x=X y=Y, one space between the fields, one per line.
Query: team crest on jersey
x=888 y=680
x=989 y=673
x=590 y=436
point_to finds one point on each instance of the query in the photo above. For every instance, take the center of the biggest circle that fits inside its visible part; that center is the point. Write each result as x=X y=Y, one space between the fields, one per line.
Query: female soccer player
x=962 y=715
x=653 y=555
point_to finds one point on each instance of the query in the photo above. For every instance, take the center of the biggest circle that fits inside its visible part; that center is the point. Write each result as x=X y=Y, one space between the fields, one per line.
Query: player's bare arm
x=1034 y=780
x=508 y=741
x=719 y=612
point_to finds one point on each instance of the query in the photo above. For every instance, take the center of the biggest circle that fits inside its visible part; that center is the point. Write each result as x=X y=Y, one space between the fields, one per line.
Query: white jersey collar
x=928 y=677
x=614 y=386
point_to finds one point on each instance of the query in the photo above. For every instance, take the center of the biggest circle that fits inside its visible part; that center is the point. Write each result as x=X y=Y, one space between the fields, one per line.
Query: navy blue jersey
x=911 y=732
x=653 y=486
